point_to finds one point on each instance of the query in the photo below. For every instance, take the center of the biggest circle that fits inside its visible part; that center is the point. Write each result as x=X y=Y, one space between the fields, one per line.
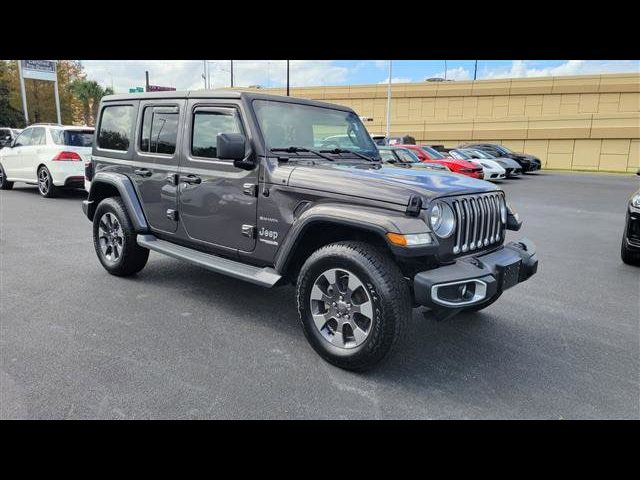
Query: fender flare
x=127 y=192
x=375 y=220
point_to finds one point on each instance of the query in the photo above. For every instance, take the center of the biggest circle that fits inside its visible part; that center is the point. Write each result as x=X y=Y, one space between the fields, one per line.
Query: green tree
x=89 y=93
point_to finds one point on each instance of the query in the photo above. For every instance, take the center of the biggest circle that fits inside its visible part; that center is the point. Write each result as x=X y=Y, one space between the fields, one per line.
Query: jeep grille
x=478 y=222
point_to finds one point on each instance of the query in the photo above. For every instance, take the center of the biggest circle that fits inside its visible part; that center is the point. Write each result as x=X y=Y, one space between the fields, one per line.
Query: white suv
x=51 y=156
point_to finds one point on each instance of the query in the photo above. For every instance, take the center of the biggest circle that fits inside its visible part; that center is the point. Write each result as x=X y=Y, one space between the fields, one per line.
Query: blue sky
x=186 y=74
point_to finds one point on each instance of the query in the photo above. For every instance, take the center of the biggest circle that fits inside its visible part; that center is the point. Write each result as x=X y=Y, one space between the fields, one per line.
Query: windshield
x=407 y=156
x=433 y=153
x=503 y=149
x=73 y=138
x=286 y=124
x=482 y=154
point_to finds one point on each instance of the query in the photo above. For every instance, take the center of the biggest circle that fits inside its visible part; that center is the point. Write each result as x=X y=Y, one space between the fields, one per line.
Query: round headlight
x=443 y=221
x=635 y=200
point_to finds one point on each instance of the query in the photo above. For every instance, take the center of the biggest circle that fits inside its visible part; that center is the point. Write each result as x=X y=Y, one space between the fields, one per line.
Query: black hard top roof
x=220 y=94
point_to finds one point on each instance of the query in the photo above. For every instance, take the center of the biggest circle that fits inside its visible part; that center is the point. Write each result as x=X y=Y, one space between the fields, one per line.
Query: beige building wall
x=577 y=122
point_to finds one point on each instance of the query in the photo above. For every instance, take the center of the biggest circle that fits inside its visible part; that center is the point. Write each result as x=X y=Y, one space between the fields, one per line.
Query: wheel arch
x=324 y=224
x=110 y=184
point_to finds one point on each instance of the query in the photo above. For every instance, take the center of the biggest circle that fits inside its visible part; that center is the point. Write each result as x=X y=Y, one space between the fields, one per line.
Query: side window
x=159 y=130
x=24 y=139
x=115 y=127
x=387 y=156
x=38 y=136
x=207 y=124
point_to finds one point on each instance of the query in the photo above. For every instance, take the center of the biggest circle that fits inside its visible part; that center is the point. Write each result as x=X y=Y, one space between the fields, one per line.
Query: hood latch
x=414 y=206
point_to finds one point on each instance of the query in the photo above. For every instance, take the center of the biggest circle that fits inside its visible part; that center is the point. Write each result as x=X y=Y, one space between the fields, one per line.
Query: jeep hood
x=384 y=183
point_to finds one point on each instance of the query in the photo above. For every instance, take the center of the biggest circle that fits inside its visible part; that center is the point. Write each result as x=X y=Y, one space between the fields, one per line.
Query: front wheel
x=4 y=184
x=114 y=239
x=353 y=303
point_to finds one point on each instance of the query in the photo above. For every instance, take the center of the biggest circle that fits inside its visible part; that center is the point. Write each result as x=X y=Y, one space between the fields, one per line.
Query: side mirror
x=638 y=172
x=231 y=146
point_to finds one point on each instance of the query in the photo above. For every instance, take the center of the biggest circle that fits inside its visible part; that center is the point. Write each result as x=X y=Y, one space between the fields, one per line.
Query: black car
x=7 y=135
x=529 y=163
x=261 y=188
x=630 y=250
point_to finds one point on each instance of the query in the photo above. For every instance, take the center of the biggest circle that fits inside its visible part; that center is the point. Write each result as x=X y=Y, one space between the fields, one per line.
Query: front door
x=156 y=161
x=12 y=161
x=218 y=204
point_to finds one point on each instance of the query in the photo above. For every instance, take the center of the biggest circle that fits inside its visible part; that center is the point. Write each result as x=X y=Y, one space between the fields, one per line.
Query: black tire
x=4 y=184
x=388 y=293
x=629 y=256
x=131 y=257
x=48 y=190
x=483 y=305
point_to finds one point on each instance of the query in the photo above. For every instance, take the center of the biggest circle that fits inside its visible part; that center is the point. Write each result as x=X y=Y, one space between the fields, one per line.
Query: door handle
x=143 y=172
x=191 y=179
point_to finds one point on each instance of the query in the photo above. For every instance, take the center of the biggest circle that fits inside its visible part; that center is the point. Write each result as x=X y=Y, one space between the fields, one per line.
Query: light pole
x=389 y=100
x=475 y=71
x=445 y=69
x=231 y=73
x=204 y=73
x=287 y=78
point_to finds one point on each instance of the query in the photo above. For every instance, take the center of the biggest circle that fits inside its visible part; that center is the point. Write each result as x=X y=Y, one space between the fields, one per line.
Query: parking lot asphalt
x=177 y=341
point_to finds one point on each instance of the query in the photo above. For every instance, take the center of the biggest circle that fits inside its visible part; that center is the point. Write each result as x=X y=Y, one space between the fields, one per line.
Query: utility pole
x=445 y=69
x=475 y=71
x=57 y=95
x=231 y=73
x=287 y=78
x=389 y=101
x=146 y=87
x=204 y=72
x=24 y=94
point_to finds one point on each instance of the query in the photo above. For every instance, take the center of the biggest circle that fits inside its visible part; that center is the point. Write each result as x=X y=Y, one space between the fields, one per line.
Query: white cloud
x=187 y=74
x=396 y=80
x=524 y=68
x=457 y=73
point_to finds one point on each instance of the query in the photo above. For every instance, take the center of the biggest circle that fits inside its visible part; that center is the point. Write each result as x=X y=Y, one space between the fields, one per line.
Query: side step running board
x=266 y=277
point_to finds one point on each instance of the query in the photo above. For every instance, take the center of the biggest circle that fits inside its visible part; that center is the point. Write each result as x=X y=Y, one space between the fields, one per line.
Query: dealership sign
x=39 y=69
x=158 y=88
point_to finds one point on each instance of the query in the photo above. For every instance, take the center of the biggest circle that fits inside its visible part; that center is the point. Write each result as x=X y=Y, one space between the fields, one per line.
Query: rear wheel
x=4 y=184
x=114 y=239
x=353 y=303
x=45 y=183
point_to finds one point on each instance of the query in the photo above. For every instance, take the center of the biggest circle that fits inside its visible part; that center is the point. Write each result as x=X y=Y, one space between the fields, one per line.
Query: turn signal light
x=409 y=240
x=67 y=157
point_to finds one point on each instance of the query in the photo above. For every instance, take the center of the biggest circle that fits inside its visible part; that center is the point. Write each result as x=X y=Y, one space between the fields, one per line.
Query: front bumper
x=475 y=279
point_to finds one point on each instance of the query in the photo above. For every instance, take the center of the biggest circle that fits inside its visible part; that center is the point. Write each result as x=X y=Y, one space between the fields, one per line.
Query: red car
x=427 y=154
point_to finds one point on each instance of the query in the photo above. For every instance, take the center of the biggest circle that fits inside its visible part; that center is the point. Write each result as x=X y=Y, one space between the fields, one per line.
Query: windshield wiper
x=345 y=150
x=302 y=150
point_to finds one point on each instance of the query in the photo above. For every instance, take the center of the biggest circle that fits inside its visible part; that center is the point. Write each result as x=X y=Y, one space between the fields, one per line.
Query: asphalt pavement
x=177 y=341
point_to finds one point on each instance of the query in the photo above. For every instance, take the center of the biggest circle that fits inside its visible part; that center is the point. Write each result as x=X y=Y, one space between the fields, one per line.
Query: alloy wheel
x=342 y=308
x=110 y=237
x=44 y=181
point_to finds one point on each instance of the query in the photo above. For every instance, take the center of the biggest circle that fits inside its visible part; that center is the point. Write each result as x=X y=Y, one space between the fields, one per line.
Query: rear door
x=30 y=158
x=156 y=159
x=218 y=202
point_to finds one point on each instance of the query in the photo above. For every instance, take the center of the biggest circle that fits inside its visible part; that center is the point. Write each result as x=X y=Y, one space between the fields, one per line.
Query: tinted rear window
x=74 y=138
x=115 y=127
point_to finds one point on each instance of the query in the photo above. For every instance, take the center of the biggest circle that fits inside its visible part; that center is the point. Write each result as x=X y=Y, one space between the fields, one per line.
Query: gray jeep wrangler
x=276 y=190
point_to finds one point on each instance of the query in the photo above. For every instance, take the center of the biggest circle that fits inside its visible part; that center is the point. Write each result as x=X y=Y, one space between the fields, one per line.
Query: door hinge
x=172 y=214
x=250 y=189
x=249 y=231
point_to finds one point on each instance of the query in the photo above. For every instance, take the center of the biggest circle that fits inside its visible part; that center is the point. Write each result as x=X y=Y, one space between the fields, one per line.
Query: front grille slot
x=478 y=221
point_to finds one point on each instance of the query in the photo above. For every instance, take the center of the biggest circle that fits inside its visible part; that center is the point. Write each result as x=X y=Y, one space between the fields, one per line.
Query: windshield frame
x=349 y=114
